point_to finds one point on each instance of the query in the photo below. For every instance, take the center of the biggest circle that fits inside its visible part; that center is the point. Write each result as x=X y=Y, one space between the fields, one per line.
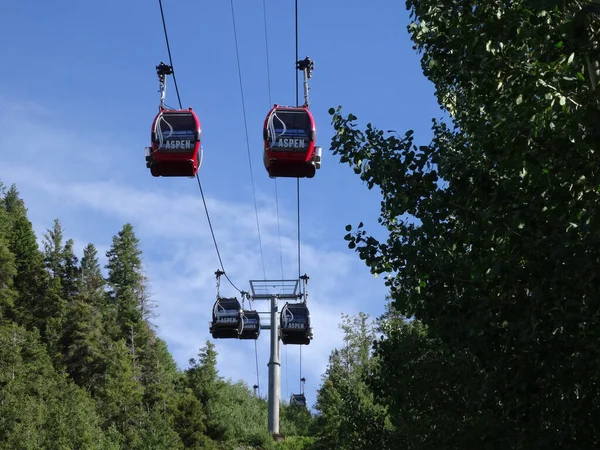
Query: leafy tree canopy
x=493 y=225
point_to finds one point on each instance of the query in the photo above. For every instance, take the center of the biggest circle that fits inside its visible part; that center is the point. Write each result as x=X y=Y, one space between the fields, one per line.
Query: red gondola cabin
x=176 y=150
x=289 y=136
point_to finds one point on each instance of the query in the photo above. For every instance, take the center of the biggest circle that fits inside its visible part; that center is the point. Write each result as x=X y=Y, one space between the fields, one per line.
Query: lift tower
x=274 y=291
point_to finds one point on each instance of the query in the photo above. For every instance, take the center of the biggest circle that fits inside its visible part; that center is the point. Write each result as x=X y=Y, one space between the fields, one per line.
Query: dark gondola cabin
x=295 y=324
x=251 y=325
x=289 y=143
x=176 y=150
x=298 y=399
x=226 y=319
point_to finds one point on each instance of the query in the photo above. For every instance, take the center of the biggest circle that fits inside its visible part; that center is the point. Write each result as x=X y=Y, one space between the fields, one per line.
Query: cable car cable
x=301 y=370
x=279 y=229
x=256 y=358
x=213 y=234
x=267 y=50
x=237 y=53
x=297 y=179
x=287 y=386
x=271 y=103
x=298 y=199
x=297 y=57
x=162 y=15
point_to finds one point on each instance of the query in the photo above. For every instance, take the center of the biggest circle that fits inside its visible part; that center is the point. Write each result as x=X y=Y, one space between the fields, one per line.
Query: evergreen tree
x=190 y=419
x=159 y=376
x=295 y=420
x=39 y=407
x=84 y=341
x=349 y=417
x=53 y=250
x=158 y=433
x=53 y=310
x=119 y=398
x=91 y=281
x=125 y=278
x=146 y=304
x=13 y=203
x=8 y=269
x=31 y=279
x=70 y=271
x=84 y=345
x=202 y=375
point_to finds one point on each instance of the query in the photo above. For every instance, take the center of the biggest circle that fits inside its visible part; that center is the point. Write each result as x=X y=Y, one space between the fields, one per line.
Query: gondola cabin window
x=289 y=130
x=176 y=133
x=298 y=399
x=295 y=320
x=251 y=324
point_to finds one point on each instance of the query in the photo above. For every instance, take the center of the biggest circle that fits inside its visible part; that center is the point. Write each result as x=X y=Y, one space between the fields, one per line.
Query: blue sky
x=78 y=94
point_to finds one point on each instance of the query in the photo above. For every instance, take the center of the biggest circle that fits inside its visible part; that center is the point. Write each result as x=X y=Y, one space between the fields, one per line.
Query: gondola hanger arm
x=306 y=65
x=218 y=274
x=162 y=70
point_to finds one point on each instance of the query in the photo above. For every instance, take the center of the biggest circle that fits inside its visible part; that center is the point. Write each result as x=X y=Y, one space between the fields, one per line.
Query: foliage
x=296 y=443
x=40 y=408
x=427 y=388
x=493 y=226
x=349 y=417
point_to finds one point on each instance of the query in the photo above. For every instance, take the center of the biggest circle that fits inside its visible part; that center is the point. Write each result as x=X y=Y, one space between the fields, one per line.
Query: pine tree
x=159 y=374
x=40 y=408
x=31 y=278
x=91 y=281
x=119 y=398
x=4 y=219
x=158 y=433
x=202 y=375
x=8 y=269
x=146 y=305
x=125 y=278
x=84 y=345
x=53 y=249
x=190 y=419
x=60 y=260
x=13 y=203
x=350 y=418
x=53 y=310
x=70 y=271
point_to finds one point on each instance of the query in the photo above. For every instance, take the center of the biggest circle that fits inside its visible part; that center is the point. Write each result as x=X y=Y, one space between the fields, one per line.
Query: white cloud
x=59 y=178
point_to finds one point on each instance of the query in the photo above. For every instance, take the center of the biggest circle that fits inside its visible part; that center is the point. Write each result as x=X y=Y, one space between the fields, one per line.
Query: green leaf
x=519 y=99
x=348 y=227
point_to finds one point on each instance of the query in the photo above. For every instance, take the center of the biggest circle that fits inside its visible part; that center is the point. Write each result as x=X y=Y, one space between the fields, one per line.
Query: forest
x=491 y=336
x=82 y=365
